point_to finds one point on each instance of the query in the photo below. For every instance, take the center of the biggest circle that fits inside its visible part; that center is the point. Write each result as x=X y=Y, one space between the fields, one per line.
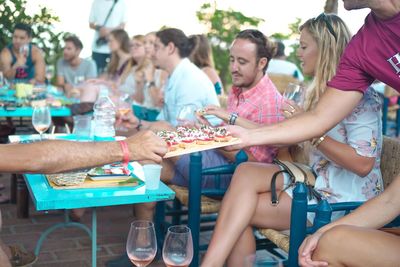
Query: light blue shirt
x=186 y=85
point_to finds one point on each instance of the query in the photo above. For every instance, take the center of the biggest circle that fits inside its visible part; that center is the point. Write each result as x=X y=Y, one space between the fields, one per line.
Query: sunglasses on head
x=323 y=17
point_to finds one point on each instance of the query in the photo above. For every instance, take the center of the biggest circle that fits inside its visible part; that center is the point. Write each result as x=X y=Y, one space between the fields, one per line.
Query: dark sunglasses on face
x=323 y=17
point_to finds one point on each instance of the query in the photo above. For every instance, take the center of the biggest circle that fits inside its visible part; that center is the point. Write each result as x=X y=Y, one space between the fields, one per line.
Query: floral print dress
x=361 y=130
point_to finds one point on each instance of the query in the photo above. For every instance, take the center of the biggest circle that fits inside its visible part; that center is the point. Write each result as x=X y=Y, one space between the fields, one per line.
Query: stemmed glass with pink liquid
x=124 y=106
x=41 y=119
x=141 y=246
x=178 y=246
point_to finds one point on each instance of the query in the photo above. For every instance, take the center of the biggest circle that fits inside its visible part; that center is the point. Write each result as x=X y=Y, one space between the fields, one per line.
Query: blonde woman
x=346 y=159
x=201 y=56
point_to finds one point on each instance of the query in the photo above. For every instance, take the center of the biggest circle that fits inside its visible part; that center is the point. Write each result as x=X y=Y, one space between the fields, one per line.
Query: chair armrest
x=241 y=157
x=224 y=169
x=341 y=206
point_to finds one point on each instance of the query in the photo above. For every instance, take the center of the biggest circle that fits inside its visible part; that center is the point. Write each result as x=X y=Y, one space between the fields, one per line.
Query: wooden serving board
x=196 y=148
x=88 y=183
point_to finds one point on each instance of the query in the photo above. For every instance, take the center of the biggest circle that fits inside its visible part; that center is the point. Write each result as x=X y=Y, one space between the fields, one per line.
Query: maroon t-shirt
x=373 y=53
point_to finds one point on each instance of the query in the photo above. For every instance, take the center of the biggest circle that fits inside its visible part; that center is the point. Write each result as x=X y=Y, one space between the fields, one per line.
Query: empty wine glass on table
x=187 y=115
x=41 y=119
x=49 y=73
x=178 y=246
x=78 y=80
x=294 y=92
x=141 y=246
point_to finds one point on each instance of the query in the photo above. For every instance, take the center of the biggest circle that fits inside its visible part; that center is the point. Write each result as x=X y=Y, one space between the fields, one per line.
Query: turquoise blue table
x=27 y=112
x=9 y=95
x=46 y=198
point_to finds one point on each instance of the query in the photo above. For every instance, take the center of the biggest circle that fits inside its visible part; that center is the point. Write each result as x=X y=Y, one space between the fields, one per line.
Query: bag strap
x=274 y=197
x=109 y=12
x=298 y=173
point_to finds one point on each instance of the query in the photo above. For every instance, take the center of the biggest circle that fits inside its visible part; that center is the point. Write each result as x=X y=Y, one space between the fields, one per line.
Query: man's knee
x=331 y=241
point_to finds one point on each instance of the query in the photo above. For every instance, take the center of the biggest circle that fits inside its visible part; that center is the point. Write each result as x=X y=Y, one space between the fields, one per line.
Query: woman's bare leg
x=265 y=216
x=356 y=246
x=239 y=206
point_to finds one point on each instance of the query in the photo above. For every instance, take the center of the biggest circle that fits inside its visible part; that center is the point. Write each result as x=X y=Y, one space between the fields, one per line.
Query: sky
x=149 y=15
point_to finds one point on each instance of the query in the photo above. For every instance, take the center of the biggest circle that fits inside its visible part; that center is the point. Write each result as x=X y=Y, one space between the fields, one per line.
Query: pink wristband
x=125 y=151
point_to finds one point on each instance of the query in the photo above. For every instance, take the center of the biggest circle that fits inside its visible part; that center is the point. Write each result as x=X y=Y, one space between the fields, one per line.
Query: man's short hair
x=280 y=52
x=75 y=40
x=24 y=27
x=178 y=38
x=265 y=48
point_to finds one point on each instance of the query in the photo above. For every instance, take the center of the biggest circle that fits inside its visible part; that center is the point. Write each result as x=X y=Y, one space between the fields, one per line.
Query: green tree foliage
x=292 y=35
x=223 y=26
x=45 y=37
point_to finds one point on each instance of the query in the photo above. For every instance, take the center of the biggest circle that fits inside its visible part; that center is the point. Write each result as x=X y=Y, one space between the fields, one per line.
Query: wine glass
x=295 y=93
x=178 y=246
x=78 y=80
x=41 y=119
x=187 y=115
x=141 y=246
x=124 y=106
x=265 y=260
x=24 y=50
x=49 y=73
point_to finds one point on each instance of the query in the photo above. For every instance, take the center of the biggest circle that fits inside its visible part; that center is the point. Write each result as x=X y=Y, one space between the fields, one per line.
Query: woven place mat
x=79 y=180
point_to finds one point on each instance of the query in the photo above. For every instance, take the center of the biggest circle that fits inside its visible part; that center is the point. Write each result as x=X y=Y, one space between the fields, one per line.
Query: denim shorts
x=210 y=158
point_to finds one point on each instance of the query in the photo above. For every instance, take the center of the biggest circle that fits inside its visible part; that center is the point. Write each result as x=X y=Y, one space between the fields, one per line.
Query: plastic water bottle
x=104 y=117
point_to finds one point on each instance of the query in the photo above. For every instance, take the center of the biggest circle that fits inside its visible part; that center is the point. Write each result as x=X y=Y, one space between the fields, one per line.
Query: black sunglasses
x=328 y=24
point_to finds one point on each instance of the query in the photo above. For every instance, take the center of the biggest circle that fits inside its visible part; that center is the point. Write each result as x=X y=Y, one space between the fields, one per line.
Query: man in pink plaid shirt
x=253 y=100
x=260 y=104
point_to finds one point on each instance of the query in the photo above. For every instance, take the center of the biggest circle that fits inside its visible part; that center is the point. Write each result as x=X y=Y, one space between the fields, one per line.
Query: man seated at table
x=59 y=156
x=73 y=70
x=253 y=100
x=187 y=84
x=21 y=60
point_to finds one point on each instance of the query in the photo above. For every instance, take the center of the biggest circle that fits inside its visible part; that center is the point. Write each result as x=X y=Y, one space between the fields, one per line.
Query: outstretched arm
x=333 y=106
x=59 y=156
x=375 y=213
x=40 y=65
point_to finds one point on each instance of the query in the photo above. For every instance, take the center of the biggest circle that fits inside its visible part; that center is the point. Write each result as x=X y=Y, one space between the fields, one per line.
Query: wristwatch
x=150 y=84
x=232 y=118
x=139 y=125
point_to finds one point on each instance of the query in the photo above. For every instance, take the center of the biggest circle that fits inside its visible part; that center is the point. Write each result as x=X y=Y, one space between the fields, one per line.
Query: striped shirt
x=262 y=105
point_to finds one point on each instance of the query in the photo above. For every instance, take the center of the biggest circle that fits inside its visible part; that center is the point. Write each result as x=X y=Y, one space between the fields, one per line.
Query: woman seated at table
x=118 y=69
x=346 y=160
x=156 y=78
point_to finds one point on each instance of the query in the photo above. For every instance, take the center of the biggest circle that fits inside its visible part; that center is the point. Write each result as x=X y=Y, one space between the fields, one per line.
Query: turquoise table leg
x=94 y=237
x=67 y=223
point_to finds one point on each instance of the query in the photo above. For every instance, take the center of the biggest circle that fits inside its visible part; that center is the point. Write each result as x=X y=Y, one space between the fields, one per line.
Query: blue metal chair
x=196 y=200
x=390 y=166
x=144 y=113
